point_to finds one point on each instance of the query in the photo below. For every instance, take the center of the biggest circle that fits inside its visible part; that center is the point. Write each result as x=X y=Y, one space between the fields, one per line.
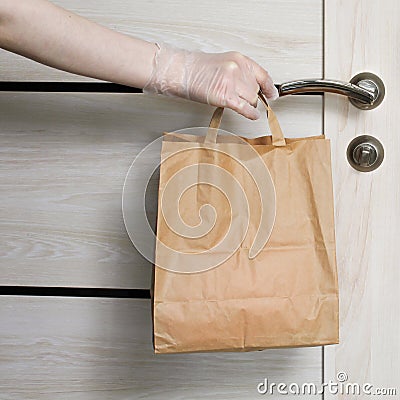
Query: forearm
x=56 y=37
x=53 y=36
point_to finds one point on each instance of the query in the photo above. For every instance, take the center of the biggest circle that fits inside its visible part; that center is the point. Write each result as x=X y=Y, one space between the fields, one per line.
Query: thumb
x=265 y=81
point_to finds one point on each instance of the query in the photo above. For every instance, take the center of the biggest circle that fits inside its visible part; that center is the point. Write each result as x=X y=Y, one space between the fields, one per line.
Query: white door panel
x=365 y=36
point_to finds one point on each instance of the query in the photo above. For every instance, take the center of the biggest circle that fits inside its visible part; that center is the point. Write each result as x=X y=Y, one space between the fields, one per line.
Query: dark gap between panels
x=86 y=87
x=74 y=292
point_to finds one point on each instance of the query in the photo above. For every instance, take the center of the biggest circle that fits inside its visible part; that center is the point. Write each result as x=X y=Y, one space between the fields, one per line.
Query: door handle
x=365 y=90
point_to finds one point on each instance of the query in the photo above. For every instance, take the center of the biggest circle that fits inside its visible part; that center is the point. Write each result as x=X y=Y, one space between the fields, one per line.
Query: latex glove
x=227 y=79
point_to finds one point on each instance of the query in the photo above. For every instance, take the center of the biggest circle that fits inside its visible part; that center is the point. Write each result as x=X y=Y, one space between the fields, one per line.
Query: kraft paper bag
x=282 y=293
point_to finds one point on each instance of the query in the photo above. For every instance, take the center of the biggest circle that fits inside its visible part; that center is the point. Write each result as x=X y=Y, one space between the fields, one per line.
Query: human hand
x=228 y=79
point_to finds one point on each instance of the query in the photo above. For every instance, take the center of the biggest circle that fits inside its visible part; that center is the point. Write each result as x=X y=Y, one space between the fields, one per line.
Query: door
x=364 y=36
x=75 y=317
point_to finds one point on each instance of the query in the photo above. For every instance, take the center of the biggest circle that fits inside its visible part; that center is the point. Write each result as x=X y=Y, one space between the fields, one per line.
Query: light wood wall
x=63 y=160
x=283 y=36
x=69 y=153
x=74 y=349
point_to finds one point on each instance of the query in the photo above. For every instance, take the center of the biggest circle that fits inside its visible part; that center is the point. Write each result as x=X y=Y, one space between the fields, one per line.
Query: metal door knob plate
x=371 y=83
x=365 y=153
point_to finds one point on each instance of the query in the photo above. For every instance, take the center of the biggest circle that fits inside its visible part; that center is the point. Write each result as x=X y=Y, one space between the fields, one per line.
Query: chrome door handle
x=365 y=90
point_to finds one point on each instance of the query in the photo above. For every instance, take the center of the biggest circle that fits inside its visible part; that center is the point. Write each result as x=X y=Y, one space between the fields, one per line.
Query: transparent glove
x=227 y=79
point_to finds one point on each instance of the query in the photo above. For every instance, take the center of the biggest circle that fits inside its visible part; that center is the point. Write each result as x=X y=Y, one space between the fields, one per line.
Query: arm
x=56 y=37
x=46 y=33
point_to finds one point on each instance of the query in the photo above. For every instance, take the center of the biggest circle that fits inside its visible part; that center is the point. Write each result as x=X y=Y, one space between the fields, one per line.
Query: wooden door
x=365 y=36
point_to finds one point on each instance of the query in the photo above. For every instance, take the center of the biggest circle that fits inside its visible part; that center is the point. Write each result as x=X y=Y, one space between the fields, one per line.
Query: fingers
x=265 y=81
x=242 y=107
x=254 y=79
x=248 y=91
x=236 y=84
x=246 y=103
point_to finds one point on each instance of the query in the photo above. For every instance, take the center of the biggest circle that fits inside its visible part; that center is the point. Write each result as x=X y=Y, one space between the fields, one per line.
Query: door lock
x=365 y=153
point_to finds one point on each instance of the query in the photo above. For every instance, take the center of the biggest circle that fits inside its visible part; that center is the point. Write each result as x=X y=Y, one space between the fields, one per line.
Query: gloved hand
x=227 y=79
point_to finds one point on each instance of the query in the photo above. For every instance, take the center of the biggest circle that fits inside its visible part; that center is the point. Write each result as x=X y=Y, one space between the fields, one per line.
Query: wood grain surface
x=81 y=349
x=285 y=37
x=63 y=161
x=364 y=36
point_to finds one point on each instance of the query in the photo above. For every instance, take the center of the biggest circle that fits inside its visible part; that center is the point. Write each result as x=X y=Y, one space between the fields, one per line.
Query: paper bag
x=284 y=294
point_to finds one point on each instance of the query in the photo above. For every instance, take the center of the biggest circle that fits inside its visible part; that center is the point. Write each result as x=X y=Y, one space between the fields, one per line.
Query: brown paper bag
x=286 y=295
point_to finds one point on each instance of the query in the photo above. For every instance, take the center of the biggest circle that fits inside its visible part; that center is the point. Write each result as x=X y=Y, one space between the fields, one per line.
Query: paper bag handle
x=277 y=136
